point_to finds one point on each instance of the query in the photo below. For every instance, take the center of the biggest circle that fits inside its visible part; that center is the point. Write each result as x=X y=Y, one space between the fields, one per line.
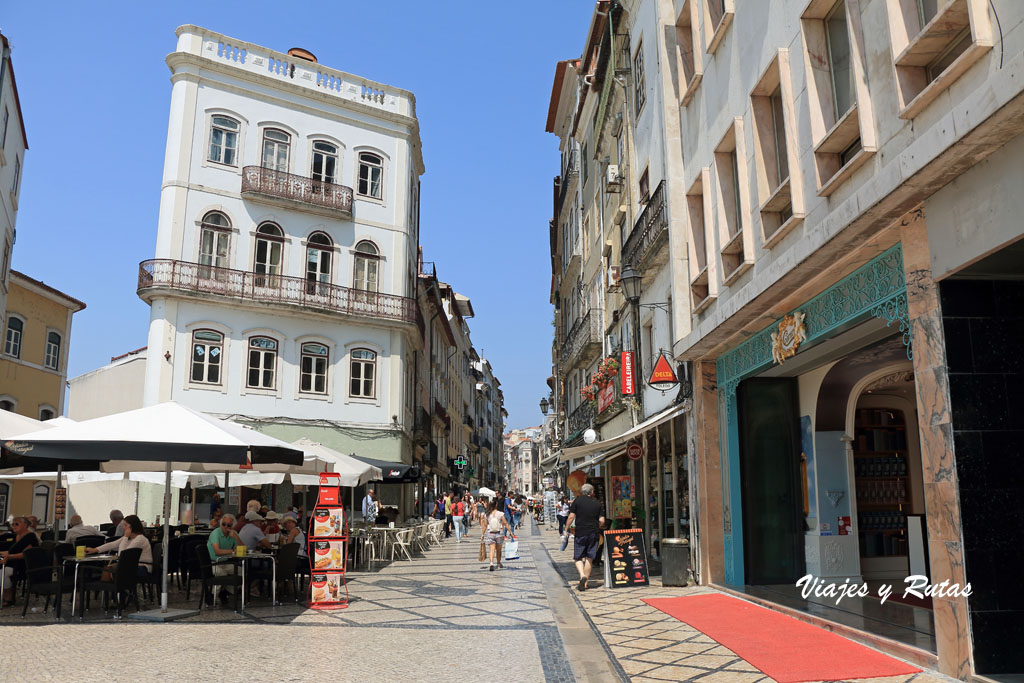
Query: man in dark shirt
x=586 y=512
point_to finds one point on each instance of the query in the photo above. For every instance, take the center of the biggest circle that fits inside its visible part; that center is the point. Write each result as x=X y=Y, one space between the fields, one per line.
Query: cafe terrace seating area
x=61 y=583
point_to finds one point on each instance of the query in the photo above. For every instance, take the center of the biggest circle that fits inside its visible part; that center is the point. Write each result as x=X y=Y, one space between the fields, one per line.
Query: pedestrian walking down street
x=563 y=515
x=517 y=513
x=492 y=534
x=585 y=511
x=480 y=511
x=458 y=514
x=448 y=501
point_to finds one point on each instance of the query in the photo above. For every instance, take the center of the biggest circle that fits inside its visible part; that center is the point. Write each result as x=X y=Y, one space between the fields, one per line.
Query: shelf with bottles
x=875 y=465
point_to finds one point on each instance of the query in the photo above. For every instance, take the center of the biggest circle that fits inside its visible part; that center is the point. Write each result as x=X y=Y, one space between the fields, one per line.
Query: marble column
x=941 y=490
x=709 y=467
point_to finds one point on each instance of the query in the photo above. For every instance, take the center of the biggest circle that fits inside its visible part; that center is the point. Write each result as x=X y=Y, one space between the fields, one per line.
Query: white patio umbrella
x=12 y=424
x=484 y=491
x=166 y=435
x=353 y=472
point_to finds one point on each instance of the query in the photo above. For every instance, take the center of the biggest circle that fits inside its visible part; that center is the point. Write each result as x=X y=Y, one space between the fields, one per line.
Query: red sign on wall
x=606 y=397
x=628 y=374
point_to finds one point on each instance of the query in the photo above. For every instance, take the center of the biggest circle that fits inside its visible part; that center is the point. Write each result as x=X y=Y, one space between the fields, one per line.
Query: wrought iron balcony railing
x=267 y=182
x=649 y=232
x=579 y=420
x=197 y=279
x=585 y=336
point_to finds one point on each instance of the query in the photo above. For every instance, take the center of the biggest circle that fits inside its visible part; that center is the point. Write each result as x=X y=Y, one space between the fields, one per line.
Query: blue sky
x=95 y=93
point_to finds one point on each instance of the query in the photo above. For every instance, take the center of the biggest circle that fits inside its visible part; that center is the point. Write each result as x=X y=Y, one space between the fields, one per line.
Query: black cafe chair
x=210 y=581
x=42 y=578
x=287 y=566
x=125 y=581
x=90 y=541
x=152 y=583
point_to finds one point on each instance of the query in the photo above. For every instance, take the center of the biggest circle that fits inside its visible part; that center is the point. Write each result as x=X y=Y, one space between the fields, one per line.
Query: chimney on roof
x=302 y=53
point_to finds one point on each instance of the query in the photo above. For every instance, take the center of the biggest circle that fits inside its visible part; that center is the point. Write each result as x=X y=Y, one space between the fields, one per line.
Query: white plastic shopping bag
x=511 y=550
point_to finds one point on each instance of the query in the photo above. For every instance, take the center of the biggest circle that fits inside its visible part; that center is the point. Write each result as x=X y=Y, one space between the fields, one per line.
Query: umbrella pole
x=56 y=522
x=167 y=534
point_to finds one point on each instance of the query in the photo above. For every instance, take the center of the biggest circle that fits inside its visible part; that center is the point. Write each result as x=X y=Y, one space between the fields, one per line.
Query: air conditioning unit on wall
x=613 y=181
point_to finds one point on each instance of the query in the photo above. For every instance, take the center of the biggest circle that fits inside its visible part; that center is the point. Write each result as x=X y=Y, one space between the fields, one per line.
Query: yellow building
x=33 y=373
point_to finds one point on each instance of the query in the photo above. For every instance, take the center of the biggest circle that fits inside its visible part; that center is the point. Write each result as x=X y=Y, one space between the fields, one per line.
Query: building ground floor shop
x=871 y=434
x=651 y=492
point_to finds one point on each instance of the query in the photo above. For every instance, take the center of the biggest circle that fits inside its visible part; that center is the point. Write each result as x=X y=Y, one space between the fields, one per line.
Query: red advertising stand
x=328 y=546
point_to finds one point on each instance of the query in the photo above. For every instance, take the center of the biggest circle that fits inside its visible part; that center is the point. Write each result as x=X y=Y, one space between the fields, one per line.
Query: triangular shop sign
x=663 y=376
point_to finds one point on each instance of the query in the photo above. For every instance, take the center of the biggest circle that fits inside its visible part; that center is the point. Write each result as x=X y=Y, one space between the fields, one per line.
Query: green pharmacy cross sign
x=461 y=462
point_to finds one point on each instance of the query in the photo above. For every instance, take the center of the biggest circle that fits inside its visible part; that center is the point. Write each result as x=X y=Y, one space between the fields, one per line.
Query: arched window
x=8 y=405
x=207 y=354
x=318 y=263
x=41 y=502
x=223 y=140
x=325 y=163
x=363 y=380
x=46 y=413
x=51 y=358
x=214 y=239
x=269 y=248
x=262 y=363
x=12 y=344
x=367 y=259
x=371 y=175
x=276 y=144
x=313 y=371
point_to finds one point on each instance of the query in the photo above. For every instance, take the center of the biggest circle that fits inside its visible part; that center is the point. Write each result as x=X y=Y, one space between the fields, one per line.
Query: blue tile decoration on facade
x=878 y=289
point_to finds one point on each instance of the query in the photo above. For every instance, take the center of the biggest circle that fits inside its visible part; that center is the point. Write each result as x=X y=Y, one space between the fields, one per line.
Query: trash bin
x=675 y=561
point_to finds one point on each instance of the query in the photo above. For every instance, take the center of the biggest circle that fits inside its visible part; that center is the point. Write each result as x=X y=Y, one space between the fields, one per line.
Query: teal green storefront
x=875 y=290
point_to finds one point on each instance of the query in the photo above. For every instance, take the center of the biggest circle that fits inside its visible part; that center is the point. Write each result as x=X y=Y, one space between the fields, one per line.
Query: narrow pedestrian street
x=444 y=609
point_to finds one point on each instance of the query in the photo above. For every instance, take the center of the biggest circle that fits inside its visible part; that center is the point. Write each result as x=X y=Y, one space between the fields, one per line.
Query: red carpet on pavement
x=782 y=647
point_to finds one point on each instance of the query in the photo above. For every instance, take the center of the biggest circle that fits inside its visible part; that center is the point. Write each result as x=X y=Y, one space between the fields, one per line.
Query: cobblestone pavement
x=651 y=646
x=440 y=616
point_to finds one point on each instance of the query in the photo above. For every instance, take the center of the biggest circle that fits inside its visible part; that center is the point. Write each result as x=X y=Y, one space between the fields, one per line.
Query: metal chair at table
x=41 y=578
x=210 y=580
x=402 y=540
x=124 y=584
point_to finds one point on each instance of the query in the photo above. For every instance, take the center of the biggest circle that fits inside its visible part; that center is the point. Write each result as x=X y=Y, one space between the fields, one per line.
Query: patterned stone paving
x=441 y=615
x=651 y=646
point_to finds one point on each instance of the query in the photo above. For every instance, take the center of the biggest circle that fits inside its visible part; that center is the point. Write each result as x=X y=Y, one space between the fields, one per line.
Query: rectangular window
x=262 y=363
x=12 y=343
x=926 y=10
x=213 y=248
x=957 y=47
x=207 y=351
x=51 y=358
x=276 y=145
x=371 y=175
x=17 y=175
x=5 y=262
x=840 y=67
x=639 y=84
x=313 y=370
x=779 y=134
x=645 y=187
x=223 y=140
x=584 y=163
x=3 y=129
x=363 y=376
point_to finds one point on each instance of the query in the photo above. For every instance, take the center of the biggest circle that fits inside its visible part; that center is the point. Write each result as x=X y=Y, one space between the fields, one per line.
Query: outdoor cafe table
x=79 y=561
x=243 y=562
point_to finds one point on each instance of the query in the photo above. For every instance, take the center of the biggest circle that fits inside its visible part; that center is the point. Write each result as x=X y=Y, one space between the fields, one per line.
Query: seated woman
x=293 y=534
x=13 y=559
x=133 y=538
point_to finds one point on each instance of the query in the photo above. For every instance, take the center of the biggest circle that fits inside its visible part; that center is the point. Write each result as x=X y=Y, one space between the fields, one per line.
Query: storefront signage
x=328 y=540
x=60 y=498
x=790 y=335
x=634 y=451
x=606 y=397
x=663 y=376
x=625 y=558
x=461 y=462
x=628 y=374
x=622 y=497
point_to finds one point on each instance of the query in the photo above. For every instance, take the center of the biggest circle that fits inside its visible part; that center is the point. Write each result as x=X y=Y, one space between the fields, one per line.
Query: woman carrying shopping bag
x=493 y=534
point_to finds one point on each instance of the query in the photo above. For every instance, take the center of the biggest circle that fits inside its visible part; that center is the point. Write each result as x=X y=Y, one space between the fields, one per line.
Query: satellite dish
x=589 y=436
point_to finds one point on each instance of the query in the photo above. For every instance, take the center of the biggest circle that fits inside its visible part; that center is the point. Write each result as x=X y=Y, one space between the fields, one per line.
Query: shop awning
x=394 y=472
x=608 y=448
x=551 y=461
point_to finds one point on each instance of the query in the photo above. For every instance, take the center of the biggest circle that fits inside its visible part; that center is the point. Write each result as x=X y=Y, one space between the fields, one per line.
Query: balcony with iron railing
x=579 y=421
x=194 y=279
x=569 y=175
x=645 y=248
x=583 y=342
x=295 y=191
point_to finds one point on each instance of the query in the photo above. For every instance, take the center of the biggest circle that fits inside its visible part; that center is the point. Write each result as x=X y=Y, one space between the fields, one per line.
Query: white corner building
x=282 y=286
